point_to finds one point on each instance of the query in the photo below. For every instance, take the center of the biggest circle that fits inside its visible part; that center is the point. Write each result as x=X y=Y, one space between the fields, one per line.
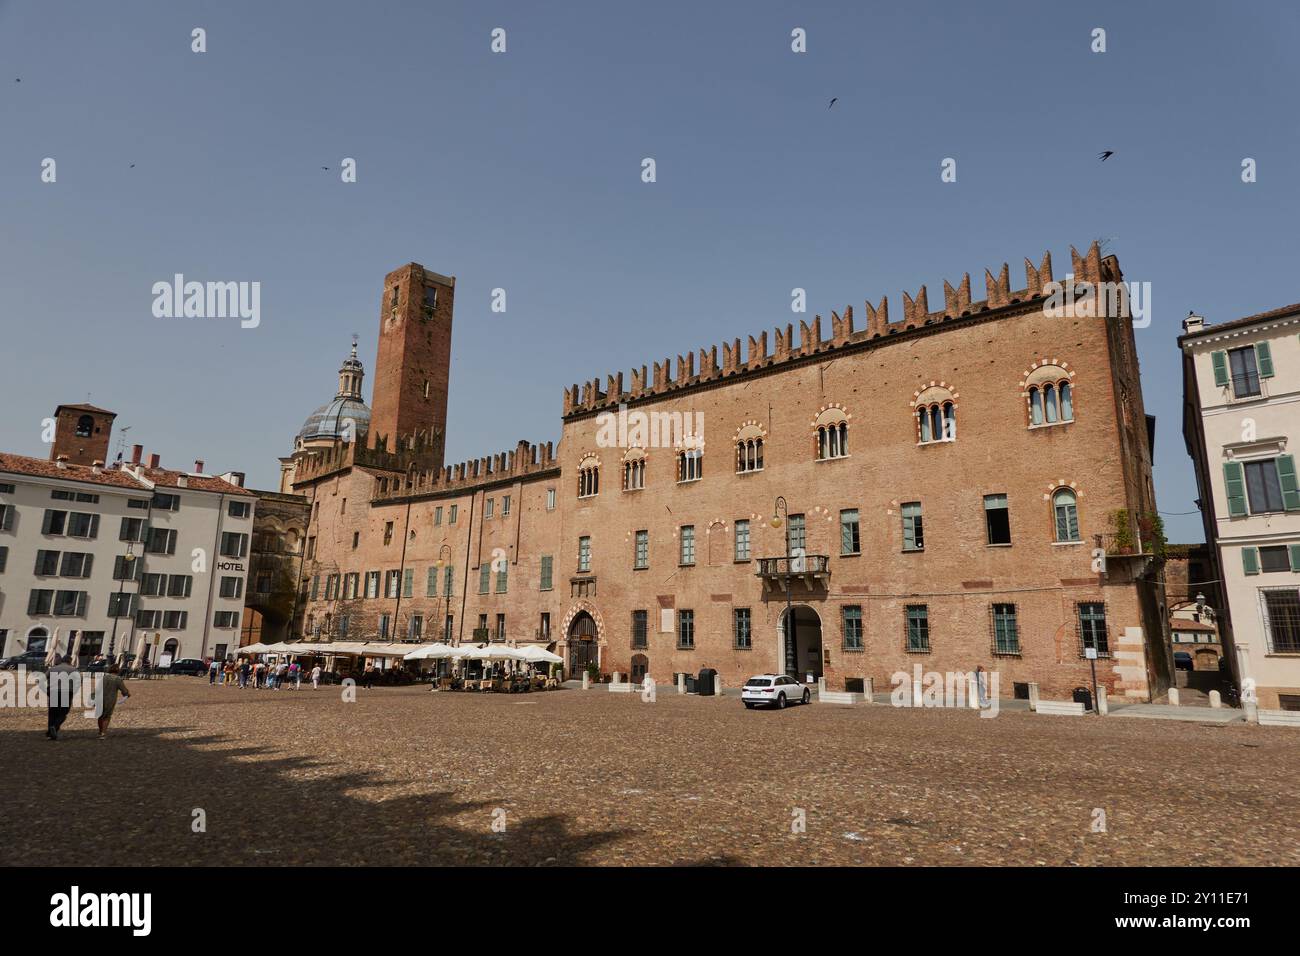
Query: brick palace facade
x=953 y=488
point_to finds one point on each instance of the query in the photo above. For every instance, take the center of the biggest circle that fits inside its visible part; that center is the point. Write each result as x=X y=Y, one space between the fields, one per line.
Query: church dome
x=330 y=420
x=346 y=417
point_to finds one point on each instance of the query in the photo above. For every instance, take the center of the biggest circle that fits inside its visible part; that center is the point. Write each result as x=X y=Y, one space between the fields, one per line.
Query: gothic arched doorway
x=584 y=649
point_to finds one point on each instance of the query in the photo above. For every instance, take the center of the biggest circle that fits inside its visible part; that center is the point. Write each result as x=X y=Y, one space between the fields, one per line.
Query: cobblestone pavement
x=403 y=776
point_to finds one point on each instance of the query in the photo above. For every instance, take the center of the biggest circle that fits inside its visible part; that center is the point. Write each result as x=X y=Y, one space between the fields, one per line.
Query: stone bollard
x=1216 y=699
x=1103 y=704
x=1251 y=709
x=586 y=680
x=972 y=691
x=868 y=688
x=616 y=677
x=1173 y=697
x=821 y=687
x=717 y=686
x=681 y=683
x=1033 y=695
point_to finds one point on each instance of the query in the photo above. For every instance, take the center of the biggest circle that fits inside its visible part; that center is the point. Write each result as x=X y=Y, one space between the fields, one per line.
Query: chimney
x=198 y=466
x=136 y=452
x=182 y=481
x=154 y=460
x=61 y=461
x=97 y=466
x=1193 y=322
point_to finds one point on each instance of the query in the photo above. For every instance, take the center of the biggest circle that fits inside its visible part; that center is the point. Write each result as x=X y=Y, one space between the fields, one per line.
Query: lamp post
x=780 y=513
x=128 y=560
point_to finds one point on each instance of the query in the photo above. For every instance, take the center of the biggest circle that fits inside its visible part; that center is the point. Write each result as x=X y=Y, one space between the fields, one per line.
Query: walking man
x=59 y=692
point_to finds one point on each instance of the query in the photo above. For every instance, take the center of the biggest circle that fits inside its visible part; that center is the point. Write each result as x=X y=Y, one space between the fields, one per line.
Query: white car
x=775 y=689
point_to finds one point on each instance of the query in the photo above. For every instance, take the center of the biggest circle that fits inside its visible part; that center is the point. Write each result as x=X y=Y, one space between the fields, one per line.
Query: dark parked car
x=189 y=665
x=32 y=660
x=1182 y=661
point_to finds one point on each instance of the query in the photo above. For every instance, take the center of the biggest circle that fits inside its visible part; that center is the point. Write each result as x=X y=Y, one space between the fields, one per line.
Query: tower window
x=430 y=300
x=85 y=426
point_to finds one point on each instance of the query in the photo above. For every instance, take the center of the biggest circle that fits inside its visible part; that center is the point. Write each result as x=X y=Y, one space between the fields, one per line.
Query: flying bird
x=324 y=167
x=832 y=102
x=132 y=166
x=1106 y=155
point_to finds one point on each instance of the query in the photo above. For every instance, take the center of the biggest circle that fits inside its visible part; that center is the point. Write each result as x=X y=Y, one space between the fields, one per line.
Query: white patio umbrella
x=431 y=652
x=52 y=649
x=258 y=648
x=75 y=653
x=138 y=662
x=536 y=655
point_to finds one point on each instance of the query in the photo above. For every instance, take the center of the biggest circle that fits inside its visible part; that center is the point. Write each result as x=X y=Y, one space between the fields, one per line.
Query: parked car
x=1182 y=661
x=31 y=660
x=189 y=665
x=774 y=689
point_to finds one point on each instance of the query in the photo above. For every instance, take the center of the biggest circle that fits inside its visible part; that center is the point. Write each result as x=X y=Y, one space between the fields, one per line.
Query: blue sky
x=522 y=171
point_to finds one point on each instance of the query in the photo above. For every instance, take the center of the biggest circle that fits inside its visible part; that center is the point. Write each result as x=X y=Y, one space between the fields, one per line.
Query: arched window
x=1065 y=507
x=1051 y=395
x=936 y=414
x=85 y=426
x=589 y=477
x=634 y=470
x=832 y=434
x=690 y=464
x=749 y=448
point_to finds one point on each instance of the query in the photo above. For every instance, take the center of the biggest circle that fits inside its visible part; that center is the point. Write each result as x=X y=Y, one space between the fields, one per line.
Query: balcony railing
x=812 y=570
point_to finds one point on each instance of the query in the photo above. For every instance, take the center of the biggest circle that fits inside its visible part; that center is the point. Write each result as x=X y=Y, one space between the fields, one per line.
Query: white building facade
x=1241 y=386
x=130 y=559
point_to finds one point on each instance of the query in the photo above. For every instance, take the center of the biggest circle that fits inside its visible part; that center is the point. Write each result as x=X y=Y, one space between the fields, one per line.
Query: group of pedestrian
x=61 y=693
x=263 y=676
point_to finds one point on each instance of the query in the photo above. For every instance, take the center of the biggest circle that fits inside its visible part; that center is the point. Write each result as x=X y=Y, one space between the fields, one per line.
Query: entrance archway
x=802 y=655
x=584 y=648
x=37 y=640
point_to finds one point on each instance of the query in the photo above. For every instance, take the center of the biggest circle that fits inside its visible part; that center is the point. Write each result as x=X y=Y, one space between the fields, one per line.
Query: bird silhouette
x=324 y=167
x=832 y=102
x=132 y=166
x=1106 y=155
x=18 y=79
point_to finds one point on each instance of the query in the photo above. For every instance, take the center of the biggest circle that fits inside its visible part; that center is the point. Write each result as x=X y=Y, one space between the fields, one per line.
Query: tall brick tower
x=413 y=361
x=81 y=433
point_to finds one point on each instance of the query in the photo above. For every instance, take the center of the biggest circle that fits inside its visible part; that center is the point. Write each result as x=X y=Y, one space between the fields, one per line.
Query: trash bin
x=1083 y=696
x=704 y=683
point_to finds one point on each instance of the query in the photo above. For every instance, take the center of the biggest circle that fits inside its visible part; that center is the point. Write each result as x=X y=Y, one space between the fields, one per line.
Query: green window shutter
x=1264 y=359
x=1294 y=551
x=1220 y=360
x=1235 y=487
x=1250 y=560
x=1286 y=477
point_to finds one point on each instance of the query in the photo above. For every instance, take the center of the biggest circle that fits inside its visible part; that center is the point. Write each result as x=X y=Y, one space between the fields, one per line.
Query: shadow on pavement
x=130 y=800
